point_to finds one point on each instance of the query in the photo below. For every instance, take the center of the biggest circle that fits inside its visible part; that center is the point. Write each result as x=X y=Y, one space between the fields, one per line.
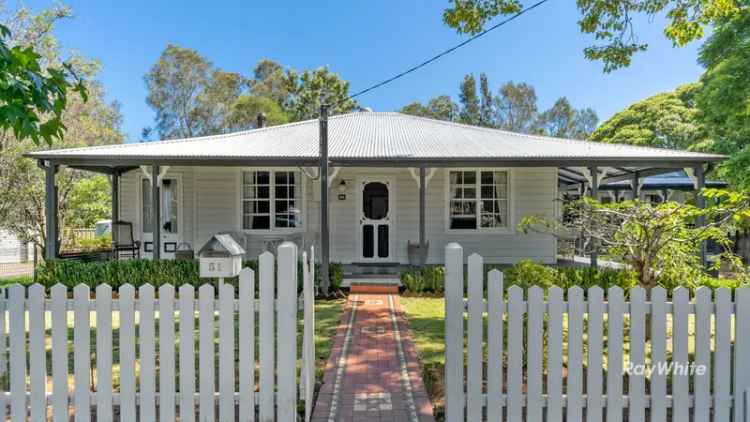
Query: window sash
x=478 y=200
x=273 y=198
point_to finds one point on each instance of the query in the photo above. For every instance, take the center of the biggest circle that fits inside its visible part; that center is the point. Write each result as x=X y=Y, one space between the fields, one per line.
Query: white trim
x=273 y=230
x=180 y=212
x=390 y=181
x=510 y=229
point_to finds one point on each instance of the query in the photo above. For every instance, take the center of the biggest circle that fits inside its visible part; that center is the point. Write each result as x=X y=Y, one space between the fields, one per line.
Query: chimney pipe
x=261 y=120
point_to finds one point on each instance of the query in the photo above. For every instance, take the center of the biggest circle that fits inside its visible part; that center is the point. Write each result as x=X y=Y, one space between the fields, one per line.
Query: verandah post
x=422 y=205
x=50 y=210
x=323 y=172
x=594 y=193
x=155 y=213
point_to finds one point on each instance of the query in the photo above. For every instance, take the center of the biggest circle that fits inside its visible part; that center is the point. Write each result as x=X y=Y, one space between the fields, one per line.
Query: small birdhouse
x=221 y=257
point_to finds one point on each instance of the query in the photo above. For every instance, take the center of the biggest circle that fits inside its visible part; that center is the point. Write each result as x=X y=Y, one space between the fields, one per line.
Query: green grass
x=24 y=280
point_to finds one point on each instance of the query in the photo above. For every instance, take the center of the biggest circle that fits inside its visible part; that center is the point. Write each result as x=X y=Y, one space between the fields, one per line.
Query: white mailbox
x=221 y=257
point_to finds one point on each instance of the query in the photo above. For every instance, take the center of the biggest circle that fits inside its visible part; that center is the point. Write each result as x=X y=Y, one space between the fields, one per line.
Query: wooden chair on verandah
x=123 y=243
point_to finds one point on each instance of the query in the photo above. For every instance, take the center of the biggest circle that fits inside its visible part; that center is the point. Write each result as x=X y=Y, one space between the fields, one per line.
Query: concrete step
x=371 y=279
x=373 y=288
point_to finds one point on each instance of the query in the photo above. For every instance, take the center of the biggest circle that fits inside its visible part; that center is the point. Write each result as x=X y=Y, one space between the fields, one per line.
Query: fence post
x=454 y=332
x=309 y=332
x=266 y=332
x=287 y=332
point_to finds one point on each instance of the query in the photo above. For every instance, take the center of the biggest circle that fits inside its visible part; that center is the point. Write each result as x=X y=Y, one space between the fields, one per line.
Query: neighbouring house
x=393 y=179
x=673 y=186
x=12 y=249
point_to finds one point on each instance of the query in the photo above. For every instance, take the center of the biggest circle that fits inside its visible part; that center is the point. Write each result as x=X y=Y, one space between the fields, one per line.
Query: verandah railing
x=580 y=355
x=179 y=369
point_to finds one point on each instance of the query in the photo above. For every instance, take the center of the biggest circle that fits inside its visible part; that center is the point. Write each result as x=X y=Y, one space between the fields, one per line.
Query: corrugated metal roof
x=373 y=136
x=674 y=179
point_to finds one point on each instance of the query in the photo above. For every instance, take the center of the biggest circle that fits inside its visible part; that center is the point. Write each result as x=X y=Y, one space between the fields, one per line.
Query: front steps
x=372 y=283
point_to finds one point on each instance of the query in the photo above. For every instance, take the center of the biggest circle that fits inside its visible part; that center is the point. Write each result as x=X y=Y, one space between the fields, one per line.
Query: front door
x=375 y=216
x=170 y=215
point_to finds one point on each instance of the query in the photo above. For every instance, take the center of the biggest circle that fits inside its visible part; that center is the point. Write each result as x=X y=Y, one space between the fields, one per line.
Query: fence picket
x=615 y=312
x=226 y=353
x=555 y=355
x=104 y=353
x=741 y=350
x=127 y=353
x=16 y=301
x=534 y=355
x=575 y=354
x=266 y=330
x=309 y=332
x=187 y=353
x=247 y=345
x=82 y=353
x=636 y=379
x=515 y=353
x=594 y=375
x=722 y=354
x=496 y=308
x=454 y=331
x=476 y=336
x=680 y=392
x=37 y=354
x=147 y=350
x=702 y=383
x=166 y=354
x=59 y=318
x=206 y=352
x=287 y=343
x=3 y=351
x=658 y=354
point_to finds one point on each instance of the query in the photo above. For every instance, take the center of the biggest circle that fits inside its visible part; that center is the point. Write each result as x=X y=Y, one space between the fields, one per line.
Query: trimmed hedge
x=527 y=273
x=142 y=271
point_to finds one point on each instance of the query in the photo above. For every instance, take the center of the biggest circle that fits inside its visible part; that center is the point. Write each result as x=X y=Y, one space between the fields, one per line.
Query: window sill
x=506 y=231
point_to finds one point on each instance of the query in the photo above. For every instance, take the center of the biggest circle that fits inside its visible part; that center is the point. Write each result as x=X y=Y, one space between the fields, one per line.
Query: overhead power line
x=448 y=51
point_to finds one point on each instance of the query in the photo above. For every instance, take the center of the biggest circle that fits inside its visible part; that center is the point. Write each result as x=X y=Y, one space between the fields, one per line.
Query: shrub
x=427 y=279
x=527 y=273
x=139 y=272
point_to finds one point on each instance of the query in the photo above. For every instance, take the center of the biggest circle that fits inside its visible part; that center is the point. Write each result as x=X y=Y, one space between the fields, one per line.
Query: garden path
x=372 y=373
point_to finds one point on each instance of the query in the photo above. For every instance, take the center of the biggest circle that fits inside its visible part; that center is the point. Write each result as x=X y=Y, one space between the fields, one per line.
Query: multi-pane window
x=271 y=199
x=478 y=200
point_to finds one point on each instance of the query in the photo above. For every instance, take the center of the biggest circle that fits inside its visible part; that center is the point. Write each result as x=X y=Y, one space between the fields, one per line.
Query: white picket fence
x=604 y=336
x=145 y=388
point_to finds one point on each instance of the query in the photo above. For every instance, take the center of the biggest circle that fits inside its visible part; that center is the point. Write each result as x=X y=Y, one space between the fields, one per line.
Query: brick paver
x=373 y=373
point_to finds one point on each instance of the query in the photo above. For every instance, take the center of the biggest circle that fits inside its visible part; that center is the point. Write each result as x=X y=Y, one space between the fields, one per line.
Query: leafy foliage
x=611 y=22
x=441 y=108
x=33 y=96
x=661 y=243
x=90 y=201
x=724 y=98
x=665 y=120
x=516 y=108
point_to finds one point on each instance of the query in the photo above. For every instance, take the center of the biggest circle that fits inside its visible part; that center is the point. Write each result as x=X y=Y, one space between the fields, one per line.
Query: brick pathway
x=373 y=374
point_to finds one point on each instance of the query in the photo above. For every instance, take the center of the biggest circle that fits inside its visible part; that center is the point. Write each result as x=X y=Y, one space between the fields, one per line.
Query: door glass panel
x=170 y=217
x=146 y=209
x=368 y=241
x=375 y=201
x=383 y=241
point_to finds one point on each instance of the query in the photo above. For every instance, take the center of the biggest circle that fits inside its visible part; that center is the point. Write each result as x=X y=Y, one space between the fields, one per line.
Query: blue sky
x=366 y=42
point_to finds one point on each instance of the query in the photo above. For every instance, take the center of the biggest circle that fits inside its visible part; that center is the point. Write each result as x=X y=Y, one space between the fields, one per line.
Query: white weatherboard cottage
x=393 y=179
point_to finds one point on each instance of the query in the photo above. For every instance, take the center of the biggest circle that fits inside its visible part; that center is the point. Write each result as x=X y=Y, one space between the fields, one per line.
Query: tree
x=665 y=120
x=609 y=21
x=312 y=85
x=90 y=122
x=516 y=107
x=661 y=243
x=34 y=94
x=486 y=106
x=470 y=113
x=563 y=121
x=724 y=96
x=175 y=84
x=272 y=81
x=245 y=109
x=441 y=108
x=89 y=202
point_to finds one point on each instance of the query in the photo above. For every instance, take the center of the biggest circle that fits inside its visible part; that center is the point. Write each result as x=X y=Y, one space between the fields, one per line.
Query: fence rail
x=566 y=354
x=196 y=355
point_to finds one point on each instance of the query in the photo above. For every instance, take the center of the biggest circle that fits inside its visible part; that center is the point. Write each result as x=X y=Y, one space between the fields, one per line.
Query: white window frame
x=510 y=229
x=272 y=198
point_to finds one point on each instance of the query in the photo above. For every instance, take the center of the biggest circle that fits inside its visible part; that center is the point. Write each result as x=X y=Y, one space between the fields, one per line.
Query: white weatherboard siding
x=214 y=191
